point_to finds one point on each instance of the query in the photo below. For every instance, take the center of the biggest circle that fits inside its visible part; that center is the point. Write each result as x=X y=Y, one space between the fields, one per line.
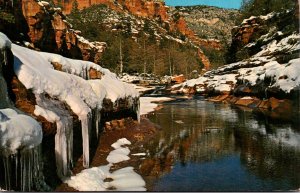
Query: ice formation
x=54 y=112
x=20 y=138
x=5 y=43
x=72 y=86
x=124 y=179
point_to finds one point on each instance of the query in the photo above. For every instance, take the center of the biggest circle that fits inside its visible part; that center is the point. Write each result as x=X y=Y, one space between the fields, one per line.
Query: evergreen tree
x=59 y=3
x=75 y=9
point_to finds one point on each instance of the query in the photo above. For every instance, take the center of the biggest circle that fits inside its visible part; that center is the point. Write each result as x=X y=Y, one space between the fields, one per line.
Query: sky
x=219 y=3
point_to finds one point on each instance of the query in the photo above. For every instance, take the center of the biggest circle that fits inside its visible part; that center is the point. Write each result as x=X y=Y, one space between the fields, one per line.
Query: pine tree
x=59 y=3
x=75 y=9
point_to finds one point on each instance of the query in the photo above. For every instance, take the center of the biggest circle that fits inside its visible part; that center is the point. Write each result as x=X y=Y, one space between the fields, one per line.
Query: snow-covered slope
x=274 y=68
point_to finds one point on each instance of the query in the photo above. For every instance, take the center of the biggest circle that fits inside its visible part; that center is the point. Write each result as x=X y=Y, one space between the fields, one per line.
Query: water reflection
x=205 y=146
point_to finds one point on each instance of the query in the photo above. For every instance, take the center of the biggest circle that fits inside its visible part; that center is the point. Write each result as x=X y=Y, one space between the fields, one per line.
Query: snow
x=292 y=72
x=179 y=121
x=253 y=70
x=124 y=179
x=43 y=3
x=71 y=86
x=18 y=131
x=221 y=82
x=109 y=86
x=138 y=154
x=50 y=115
x=282 y=46
x=142 y=89
x=99 y=46
x=247 y=98
x=120 y=153
x=129 y=78
x=4 y=42
x=263 y=17
x=268 y=16
x=245 y=21
x=147 y=104
x=36 y=73
x=120 y=142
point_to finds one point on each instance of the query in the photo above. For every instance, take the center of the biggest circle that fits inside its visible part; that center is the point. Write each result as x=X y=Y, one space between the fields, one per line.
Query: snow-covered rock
x=72 y=86
x=18 y=131
x=274 y=66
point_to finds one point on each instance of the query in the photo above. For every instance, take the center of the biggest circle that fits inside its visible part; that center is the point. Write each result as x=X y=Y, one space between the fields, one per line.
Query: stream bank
x=138 y=133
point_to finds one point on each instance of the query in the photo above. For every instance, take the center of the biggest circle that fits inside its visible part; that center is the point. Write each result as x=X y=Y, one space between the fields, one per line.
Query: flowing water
x=205 y=146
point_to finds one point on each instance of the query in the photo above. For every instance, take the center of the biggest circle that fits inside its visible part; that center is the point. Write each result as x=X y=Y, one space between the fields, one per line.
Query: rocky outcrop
x=253 y=33
x=146 y=9
x=46 y=29
x=180 y=25
x=209 y=22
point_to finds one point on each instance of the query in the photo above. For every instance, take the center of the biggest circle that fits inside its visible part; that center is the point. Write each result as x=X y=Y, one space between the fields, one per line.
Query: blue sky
x=219 y=3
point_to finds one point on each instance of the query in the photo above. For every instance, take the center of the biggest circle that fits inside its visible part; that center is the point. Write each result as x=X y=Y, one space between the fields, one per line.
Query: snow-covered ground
x=261 y=66
x=142 y=89
x=148 y=105
x=124 y=179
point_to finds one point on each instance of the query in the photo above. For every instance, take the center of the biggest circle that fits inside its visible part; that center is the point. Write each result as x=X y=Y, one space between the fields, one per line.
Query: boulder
x=178 y=79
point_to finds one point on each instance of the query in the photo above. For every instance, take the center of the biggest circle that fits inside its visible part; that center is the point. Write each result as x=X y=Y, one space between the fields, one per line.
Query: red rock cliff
x=49 y=31
x=152 y=10
x=149 y=9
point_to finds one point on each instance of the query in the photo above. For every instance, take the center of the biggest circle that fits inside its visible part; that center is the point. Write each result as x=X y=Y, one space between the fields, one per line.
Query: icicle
x=7 y=170
x=64 y=146
x=25 y=183
x=98 y=120
x=38 y=176
x=31 y=170
x=87 y=73
x=63 y=137
x=4 y=57
x=60 y=149
x=16 y=169
x=86 y=126
x=266 y=92
x=70 y=142
x=138 y=112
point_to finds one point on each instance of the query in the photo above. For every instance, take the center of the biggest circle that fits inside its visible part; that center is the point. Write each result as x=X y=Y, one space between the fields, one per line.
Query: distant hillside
x=146 y=45
x=209 y=22
x=163 y=21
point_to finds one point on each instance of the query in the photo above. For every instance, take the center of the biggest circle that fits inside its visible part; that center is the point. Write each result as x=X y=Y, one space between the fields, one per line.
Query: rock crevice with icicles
x=65 y=94
x=20 y=139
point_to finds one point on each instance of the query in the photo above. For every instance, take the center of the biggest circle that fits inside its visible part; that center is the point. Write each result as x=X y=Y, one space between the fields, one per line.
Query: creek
x=206 y=146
